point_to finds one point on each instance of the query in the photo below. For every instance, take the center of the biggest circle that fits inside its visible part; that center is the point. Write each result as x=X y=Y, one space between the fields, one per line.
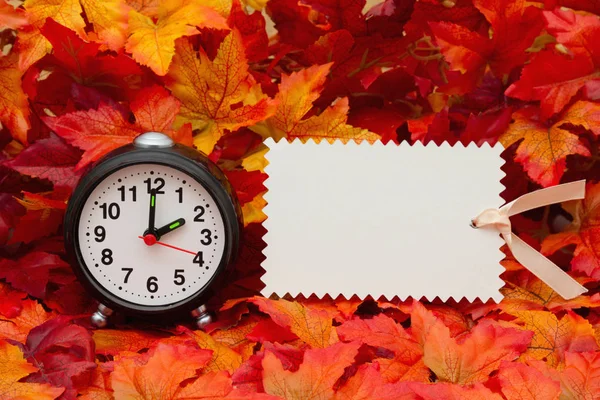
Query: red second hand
x=172 y=247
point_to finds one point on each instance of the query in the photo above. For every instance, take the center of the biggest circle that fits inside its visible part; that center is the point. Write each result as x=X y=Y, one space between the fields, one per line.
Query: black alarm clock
x=152 y=230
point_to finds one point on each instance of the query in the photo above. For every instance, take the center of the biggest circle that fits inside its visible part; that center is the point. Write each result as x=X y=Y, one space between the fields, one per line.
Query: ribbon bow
x=530 y=258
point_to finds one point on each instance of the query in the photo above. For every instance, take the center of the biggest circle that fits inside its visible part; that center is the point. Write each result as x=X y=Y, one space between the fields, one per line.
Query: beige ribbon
x=530 y=258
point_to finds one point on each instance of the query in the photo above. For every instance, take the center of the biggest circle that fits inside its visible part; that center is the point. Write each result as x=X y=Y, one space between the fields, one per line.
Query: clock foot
x=202 y=316
x=100 y=317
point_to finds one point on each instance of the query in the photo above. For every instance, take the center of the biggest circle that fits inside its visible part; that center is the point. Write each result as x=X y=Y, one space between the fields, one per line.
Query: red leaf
x=247 y=185
x=31 y=272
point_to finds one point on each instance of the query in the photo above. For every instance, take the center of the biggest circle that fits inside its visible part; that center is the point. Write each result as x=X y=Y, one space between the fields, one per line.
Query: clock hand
x=152 y=212
x=150 y=240
x=178 y=223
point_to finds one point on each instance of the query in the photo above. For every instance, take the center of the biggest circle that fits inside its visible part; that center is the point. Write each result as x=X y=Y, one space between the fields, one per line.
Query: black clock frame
x=186 y=160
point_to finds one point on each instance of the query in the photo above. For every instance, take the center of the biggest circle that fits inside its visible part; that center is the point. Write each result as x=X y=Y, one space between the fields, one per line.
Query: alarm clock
x=152 y=230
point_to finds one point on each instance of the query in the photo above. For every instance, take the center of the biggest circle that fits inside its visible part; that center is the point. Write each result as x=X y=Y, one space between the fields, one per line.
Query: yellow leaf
x=109 y=18
x=153 y=43
x=295 y=98
x=218 y=95
x=13 y=367
x=14 y=109
x=252 y=211
x=65 y=12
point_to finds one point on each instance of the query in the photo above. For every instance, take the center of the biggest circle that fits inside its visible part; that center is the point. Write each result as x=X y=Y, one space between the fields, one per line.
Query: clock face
x=131 y=263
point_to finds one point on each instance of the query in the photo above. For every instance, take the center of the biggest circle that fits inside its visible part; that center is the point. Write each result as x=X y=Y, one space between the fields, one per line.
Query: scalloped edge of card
x=268 y=292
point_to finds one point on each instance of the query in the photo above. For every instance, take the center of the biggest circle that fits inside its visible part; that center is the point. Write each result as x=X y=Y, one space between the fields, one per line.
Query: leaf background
x=79 y=78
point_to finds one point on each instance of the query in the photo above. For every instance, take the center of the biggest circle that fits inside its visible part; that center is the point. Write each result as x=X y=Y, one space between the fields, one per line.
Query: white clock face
x=188 y=248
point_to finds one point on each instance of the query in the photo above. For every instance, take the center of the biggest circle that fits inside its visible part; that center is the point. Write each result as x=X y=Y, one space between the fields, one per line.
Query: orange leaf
x=314 y=327
x=584 y=232
x=471 y=357
x=11 y=17
x=32 y=315
x=153 y=43
x=314 y=379
x=297 y=92
x=552 y=338
x=581 y=377
x=217 y=96
x=382 y=331
x=113 y=341
x=519 y=381
x=99 y=388
x=158 y=375
x=14 y=109
x=217 y=385
x=369 y=384
x=109 y=18
x=14 y=367
x=584 y=113
x=543 y=150
x=223 y=358
x=448 y=391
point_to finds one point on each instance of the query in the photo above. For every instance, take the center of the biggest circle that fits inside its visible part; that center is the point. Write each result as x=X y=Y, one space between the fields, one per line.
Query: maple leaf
x=448 y=391
x=100 y=131
x=217 y=95
x=312 y=326
x=113 y=342
x=519 y=381
x=109 y=18
x=153 y=43
x=158 y=373
x=64 y=352
x=11 y=17
x=581 y=377
x=584 y=232
x=382 y=331
x=553 y=337
x=585 y=114
x=247 y=185
x=12 y=369
x=46 y=211
x=314 y=379
x=223 y=358
x=368 y=383
x=297 y=92
x=17 y=328
x=252 y=29
x=11 y=304
x=542 y=150
x=14 y=110
x=50 y=159
x=31 y=272
x=471 y=357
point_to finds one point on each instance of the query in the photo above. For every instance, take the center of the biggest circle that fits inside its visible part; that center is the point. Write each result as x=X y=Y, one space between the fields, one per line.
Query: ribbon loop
x=530 y=258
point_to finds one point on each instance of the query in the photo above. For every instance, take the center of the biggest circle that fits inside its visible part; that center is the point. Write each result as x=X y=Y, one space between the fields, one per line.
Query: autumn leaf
x=50 y=159
x=295 y=98
x=217 y=96
x=11 y=17
x=471 y=357
x=223 y=358
x=368 y=383
x=312 y=326
x=581 y=377
x=585 y=114
x=584 y=232
x=100 y=131
x=519 y=381
x=450 y=391
x=153 y=43
x=11 y=305
x=46 y=211
x=17 y=328
x=12 y=369
x=109 y=18
x=314 y=379
x=159 y=373
x=542 y=149
x=113 y=341
x=553 y=337
x=31 y=272
x=14 y=110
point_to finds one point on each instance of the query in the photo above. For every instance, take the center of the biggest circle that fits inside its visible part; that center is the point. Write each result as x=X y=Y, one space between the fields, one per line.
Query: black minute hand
x=152 y=212
x=178 y=223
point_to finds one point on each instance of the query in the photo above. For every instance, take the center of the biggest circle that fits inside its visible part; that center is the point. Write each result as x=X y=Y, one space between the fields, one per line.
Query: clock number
x=107 y=258
x=207 y=237
x=131 y=189
x=111 y=211
x=180 y=191
x=179 y=278
x=100 y=233
x=129 y=271
x=160 y=182
x=200 y=211
x=152 y=284
x=199 y=259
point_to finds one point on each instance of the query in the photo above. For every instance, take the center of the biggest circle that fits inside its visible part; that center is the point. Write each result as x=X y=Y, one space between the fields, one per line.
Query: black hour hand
x=178 y=223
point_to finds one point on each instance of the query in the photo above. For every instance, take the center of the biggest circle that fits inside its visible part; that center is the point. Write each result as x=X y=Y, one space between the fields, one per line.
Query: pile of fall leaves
x=79 y=78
